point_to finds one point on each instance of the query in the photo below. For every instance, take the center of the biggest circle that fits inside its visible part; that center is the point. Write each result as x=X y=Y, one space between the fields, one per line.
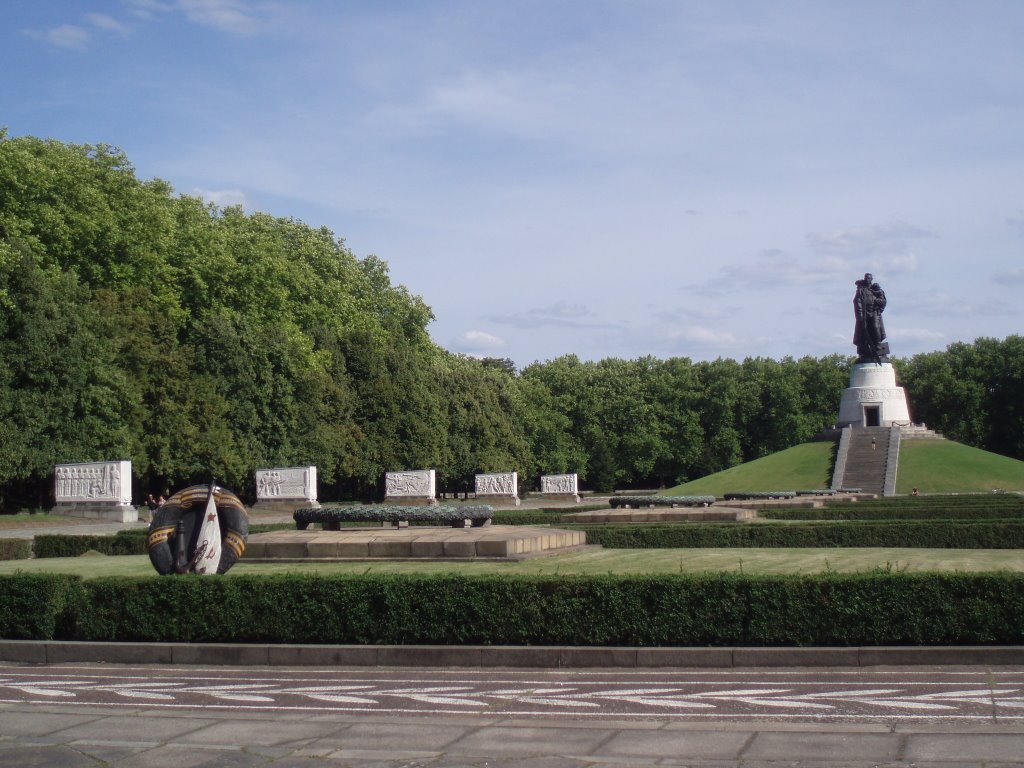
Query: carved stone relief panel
x=559 y=484
x=282 y=483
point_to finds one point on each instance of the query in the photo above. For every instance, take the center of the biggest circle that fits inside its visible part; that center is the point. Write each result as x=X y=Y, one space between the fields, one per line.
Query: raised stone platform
x=665 y=515
x=510 y=542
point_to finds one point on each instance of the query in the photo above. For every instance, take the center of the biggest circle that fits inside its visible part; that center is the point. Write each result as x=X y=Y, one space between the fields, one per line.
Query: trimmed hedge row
x=15 y=549
x=63 y=545
x=377 y=513
x=857 y=512
x=938 y=534
x=759 y=495
x=660 y=501
x=40 y=606
x=529 y=516
x=946 y=501
x=879 y=608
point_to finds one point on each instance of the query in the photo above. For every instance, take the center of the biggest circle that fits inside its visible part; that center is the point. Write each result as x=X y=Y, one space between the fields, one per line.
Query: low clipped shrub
x=859 y=512
x=15 y=549
x=877 y=608
x=376 y=513
x=529 y=516
x=39 y=606
x=938 y=534
x=1004 y=501
x=130 y=542
x=759 y=495
x=661 y=501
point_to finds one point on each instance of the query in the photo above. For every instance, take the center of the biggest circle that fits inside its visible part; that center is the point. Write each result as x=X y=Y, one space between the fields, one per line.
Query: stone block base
x=93 y=510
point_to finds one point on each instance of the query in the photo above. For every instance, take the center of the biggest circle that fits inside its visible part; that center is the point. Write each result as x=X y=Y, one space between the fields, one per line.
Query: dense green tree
x=195 y=340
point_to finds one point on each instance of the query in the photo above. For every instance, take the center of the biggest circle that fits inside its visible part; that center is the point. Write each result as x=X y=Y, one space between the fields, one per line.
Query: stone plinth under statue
x=101 y=490
x=873 y=399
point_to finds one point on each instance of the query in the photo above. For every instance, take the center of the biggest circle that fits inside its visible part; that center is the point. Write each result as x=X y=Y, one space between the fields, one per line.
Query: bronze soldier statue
x=869 y=332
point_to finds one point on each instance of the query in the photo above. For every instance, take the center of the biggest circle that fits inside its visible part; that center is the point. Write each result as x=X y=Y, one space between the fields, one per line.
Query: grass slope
x=932 y=466
x=803 y=467
x=942 y=466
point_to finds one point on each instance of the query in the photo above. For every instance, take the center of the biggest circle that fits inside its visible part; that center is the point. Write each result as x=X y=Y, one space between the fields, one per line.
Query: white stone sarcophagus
x=560 y=486
x=97 y=489
x=413 y=487
x=498 y=488
x=286 y=488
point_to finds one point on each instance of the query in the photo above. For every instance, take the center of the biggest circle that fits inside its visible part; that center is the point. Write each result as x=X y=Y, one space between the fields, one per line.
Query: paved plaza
x=443 y=717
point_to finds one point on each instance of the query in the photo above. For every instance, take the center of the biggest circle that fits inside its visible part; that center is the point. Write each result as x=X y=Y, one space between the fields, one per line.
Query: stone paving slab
x=694 y=744
x=996 y=747
x=416 y=542
x=16 y=723
x=226 y=739
x=139 y=728
x=499 y=740
x=832 y=746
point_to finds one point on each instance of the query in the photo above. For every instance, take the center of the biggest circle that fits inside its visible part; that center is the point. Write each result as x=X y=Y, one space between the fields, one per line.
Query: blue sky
x=611 y=179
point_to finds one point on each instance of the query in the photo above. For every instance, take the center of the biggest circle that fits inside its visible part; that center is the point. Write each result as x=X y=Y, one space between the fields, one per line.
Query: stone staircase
x=868 y=459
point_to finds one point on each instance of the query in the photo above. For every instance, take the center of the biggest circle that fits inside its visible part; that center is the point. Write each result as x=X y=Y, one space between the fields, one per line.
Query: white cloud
x=1014 y=276
x=1017 y=222
x=944 y=305
x=892 y=237
x=228 y=15
x=479 y=343
x=107 y=23
x=919 y=335
x=222 y=198
x=66 y=36
x=702 y=336
x=773 y=267
x=560 y=314
x=148 y=9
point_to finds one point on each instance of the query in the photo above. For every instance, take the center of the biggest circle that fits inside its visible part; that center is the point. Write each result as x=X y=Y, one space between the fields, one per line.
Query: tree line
x=193 y=340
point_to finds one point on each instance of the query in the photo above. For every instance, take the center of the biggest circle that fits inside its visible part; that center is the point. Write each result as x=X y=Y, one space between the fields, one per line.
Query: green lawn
x=932 y=466
x=942 y=466
x=807 y=466
x=595 y=561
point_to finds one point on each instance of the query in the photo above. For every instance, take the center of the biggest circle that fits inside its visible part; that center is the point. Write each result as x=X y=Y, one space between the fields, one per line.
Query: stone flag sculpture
x=201 y=529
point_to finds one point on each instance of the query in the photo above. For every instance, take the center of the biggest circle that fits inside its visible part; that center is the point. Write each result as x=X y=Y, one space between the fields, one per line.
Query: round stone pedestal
x=873 y=399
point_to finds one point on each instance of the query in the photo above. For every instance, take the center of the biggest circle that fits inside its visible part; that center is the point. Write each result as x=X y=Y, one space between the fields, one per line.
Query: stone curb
x=542 y=657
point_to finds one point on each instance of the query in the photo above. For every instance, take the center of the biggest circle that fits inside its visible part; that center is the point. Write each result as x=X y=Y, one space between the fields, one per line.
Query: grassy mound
x=803 y=467
x=942 y=466
x=931 y=466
